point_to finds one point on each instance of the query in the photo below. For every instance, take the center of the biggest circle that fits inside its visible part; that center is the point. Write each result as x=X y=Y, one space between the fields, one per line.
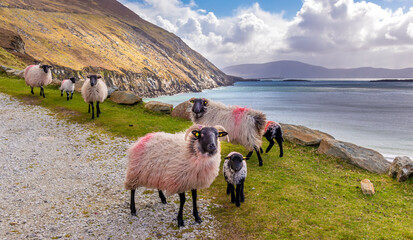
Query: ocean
x=376 y=115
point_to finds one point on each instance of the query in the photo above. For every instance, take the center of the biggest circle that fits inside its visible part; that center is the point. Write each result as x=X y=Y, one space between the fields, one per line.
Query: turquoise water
x=377 y=115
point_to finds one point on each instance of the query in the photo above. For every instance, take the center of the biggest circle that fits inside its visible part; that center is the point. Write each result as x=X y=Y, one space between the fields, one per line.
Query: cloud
x=331 y=33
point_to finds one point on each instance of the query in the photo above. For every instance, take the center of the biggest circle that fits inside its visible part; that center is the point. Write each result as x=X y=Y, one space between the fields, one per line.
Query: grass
x=303 y=195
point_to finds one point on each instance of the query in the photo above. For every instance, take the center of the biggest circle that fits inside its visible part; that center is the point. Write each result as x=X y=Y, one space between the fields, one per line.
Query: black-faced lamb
x=175 y=163
x=245 y=126
x=38 y=76
x=68 y=85
x=273 y=131
x=235 y=173
x=94 y=90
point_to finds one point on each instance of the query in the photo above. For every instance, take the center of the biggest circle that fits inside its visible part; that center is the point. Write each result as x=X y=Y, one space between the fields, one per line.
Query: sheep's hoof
x=133 y=213
x=260 y=164
x=181 y=223
x=198 y=219
x=238 y=204
x=164 y=201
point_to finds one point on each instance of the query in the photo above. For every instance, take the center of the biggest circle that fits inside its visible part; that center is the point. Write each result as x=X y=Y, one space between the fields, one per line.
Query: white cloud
x=332 y=33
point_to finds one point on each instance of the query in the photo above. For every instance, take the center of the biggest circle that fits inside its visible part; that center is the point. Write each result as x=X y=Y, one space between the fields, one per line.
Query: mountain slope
x=104 y=36
x=294 y=69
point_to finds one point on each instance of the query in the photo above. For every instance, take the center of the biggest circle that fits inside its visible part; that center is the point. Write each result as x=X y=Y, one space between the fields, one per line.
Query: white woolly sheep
x=38 y=76
x=94 y=90
x=273 y=131
x=245 y=126
x=235 y=173
x=175 y=164
x=68 y=85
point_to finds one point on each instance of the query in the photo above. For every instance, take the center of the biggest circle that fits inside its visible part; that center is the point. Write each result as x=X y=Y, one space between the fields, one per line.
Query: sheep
x=245 y=126
x=273 y=131
x=235 y=172
x=172 y=163
x=38 y=76
x=94 y=90
x=68 y=85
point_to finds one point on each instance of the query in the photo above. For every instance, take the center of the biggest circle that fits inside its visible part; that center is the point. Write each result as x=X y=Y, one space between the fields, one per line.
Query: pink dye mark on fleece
x=63 y=81
x=237 y=114
x=268 y=124
x=27 y=70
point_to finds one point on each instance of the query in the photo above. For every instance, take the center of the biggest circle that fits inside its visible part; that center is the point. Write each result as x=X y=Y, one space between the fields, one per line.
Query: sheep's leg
x=132 y=203
x=93 y=110
x=280 y=141
x=61 y=93
x=259 y=156
x=71 y=96
x=181 y=208
x=88 y=111
x=42 y=92
x=249 y=154
x=238 y=195
x=228 y=189
x=97 y=109
x=163 y=198
x=232 y=189
x=67 y=94
x=195 y=208
x=261 y=150
x=270 y=146
x=32 y=90
x=242 y=191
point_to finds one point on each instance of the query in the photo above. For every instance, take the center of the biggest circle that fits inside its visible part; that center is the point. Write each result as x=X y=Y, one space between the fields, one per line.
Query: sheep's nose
x=212 y=147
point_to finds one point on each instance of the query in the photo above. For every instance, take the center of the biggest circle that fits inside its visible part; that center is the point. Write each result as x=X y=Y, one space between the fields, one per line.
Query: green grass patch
x=303 y=195
x=9 y=60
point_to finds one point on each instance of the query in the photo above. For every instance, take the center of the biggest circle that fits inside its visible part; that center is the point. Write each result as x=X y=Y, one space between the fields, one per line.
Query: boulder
x=56 y=82
x=183 y=110
x=367 y=187
x=10 y=72
x=362 y=157
x=112 y=90
x=160 y=107
x=303 y=135
x=401 y=168
x=125 y=97
x=3 y=69
x=78 y=85
x=19 y=73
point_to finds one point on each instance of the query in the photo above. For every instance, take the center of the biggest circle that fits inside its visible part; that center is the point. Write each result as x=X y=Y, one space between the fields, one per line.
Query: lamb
x=38 y=76
x=175 y=163
x=245 y=126
x=273 y=131
x=68 y=85
x=235 y=172
x=94 y=90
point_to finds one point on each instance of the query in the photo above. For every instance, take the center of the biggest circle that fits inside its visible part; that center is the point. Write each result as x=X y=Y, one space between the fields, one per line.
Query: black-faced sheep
x=235 y=173
x=245 y=126
x=175 y=163
x=38 y=76
x=94 y=90
x=68 y=85
x=273 y=131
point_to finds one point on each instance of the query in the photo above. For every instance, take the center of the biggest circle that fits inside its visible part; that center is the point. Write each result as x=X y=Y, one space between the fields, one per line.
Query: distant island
x=393 y=80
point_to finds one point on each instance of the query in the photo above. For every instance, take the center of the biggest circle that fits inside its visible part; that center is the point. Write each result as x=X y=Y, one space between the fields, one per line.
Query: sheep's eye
x=205 y=102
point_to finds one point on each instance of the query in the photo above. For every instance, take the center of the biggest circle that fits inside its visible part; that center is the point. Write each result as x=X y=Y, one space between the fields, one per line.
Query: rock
x=125 y=97
x=303 y=135
x=10 y=72
x=111 y=90
x=362 y=157
x=401 y=168
x=3 y=69
x=367 y=187
x=183 y=110
x=160 y=107
x=56 y=82
x=78 y=85
x=19 y=73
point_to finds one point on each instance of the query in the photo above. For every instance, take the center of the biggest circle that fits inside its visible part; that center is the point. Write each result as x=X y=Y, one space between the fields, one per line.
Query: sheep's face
x=45 y=68
x=93 y=79
x=235 y=161
x=73 y=79
x=199 y=106
x=208 y=139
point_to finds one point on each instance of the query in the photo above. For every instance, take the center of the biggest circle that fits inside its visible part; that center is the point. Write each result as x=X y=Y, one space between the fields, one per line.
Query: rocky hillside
x=81 y=37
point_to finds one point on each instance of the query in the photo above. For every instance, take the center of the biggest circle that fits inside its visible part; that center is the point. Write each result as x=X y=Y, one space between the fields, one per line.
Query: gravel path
x=65 y=180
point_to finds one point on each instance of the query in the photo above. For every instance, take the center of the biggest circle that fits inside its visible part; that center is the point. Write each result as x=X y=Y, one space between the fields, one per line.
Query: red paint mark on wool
x=140 y=147
x=27 y=70
x=63 y=81
x=268 y=124
x=237 y=114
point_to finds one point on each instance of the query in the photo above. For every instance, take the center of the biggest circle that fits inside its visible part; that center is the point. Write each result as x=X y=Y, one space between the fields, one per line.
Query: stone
x=19 y=73
x=183 y=110
x=78 y=85
x=365 y=158
x=367 y=187
x=401 y=168
x=125 y=97
x=10 y=72
x=160 y=107
x=112 y=90
x=56 y=82
x=303 y=135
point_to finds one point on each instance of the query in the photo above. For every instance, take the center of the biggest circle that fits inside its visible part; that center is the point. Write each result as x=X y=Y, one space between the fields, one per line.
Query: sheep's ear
x=196 y=133
x=222 y=134
x=88 y=76
x=227 y=157
x=246 y=158
x=99 y=76
x=192 y=100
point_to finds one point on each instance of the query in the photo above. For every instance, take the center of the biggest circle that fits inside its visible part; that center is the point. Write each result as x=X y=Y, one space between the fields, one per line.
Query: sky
x=329 y=33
